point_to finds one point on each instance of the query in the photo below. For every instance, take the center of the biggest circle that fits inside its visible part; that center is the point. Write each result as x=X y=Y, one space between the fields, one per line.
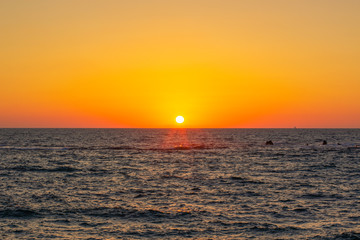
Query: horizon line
x=180 y=128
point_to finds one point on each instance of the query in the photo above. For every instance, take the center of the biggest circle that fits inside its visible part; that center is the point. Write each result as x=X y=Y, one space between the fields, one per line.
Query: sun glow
x=179 y=119
x=138 y=64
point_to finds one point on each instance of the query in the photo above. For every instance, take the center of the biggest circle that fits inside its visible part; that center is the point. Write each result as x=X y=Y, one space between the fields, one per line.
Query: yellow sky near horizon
x=141 y=63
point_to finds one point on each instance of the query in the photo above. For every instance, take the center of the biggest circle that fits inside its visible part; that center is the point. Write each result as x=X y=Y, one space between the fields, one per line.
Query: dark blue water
x=179 y=183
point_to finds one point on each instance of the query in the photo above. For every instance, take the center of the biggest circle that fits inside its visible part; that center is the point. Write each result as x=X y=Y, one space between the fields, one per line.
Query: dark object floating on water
x=324 y=142
x=269 y=143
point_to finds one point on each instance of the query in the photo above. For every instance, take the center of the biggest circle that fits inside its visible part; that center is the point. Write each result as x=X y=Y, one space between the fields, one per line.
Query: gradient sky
x=141 y=63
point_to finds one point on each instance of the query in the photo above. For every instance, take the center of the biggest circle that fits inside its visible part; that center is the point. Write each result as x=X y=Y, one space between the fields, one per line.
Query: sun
x=179 y=119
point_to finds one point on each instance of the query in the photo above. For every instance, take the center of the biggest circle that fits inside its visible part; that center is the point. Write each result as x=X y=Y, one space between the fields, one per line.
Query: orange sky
x=141 y=63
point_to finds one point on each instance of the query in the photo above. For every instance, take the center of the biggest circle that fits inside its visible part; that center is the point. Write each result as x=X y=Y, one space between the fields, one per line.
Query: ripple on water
x=164 y=183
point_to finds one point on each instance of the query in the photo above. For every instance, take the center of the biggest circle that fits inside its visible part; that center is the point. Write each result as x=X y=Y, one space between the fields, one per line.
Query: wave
x=31 y=148
x=23 y=168
x=121 y=212
x=193 y=146
x=189 y=147
x=272 y=228
x=103 y=212
x=343 y=236
x=259 y=227
x=18 y=213
x=320 y=195
x=64 y=148
x=245 y=180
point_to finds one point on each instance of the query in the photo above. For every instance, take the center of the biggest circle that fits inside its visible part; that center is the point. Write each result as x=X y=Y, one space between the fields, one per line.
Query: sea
x=179 y=183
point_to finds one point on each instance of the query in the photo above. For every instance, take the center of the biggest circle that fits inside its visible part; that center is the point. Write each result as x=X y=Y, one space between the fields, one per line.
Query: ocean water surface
x=179 y=184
